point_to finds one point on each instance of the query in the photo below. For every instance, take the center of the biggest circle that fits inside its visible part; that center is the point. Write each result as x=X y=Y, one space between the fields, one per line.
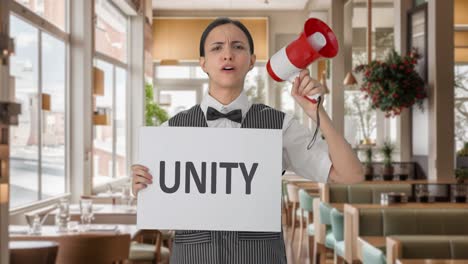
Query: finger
x=139 y=167
x=138 y=179
x=294 y=89
x=138 y=187
x=303 y=73
x=143 y=174
x=304 y=83
x=313 y=88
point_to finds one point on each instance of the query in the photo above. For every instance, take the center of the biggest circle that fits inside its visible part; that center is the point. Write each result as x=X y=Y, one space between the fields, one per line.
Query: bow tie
x=234 y=115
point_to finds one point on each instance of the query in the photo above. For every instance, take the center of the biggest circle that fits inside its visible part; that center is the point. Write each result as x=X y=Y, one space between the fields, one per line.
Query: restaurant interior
x=79 y=79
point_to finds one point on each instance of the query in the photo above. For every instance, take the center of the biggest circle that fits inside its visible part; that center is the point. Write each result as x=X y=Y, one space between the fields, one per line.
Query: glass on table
x=422 y=193
x=86 y=212
x=63 y=215
x=126 y=198
x=73 y=226
x=36 y=226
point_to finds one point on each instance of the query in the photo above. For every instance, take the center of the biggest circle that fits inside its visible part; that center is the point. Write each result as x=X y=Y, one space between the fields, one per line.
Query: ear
x=201 y=61
x=253 y=58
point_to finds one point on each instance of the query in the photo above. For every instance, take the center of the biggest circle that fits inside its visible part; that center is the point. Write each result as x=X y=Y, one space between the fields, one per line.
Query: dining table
x=102 y=214
x=23 y=232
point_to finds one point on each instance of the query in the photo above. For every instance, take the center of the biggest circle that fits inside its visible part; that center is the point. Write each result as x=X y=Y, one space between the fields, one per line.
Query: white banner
x=211 y=179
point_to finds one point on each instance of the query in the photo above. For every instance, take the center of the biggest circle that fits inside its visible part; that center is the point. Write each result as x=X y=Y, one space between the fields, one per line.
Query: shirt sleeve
x=313 y=164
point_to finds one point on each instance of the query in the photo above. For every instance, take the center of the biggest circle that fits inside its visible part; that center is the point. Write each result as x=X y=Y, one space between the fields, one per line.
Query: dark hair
x=222 y=21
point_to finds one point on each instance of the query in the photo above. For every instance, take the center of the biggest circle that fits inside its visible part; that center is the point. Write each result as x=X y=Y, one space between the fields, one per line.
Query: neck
x=225 y=95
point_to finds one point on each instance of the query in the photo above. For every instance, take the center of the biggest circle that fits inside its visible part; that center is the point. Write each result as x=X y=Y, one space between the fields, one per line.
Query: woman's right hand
x=140 y=178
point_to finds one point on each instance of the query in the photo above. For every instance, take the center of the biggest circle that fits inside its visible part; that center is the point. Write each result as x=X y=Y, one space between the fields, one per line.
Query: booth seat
x=364 y=193
x=427 y=247
x=412 y=222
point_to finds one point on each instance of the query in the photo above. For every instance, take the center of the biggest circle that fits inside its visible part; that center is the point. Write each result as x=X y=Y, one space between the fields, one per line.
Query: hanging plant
x=393 y=84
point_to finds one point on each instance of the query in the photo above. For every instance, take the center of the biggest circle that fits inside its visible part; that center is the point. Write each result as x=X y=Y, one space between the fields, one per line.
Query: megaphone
x=316 y=41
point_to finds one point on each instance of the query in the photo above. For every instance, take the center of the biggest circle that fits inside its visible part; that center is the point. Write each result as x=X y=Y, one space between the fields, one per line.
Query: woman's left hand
x=305 y=85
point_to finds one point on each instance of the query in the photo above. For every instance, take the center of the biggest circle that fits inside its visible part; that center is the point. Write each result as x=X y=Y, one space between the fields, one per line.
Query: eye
x=240 y=47
x=215 y=48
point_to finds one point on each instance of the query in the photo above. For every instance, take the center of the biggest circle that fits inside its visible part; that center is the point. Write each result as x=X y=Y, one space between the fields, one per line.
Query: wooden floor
x=292 y=248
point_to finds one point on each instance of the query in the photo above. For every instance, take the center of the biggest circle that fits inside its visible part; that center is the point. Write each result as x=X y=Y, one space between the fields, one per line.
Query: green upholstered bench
x=363 y=193
x=427 y=247
x=399 y=221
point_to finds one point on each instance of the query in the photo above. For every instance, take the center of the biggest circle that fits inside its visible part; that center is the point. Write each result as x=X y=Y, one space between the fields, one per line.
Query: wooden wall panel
x=461 y=11
x=178 y=38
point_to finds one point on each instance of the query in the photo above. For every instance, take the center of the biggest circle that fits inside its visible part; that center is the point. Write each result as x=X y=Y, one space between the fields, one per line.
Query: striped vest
x=229 y=247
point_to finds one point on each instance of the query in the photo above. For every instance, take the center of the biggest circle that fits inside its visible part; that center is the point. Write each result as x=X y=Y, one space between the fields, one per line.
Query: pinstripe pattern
x=229 y=247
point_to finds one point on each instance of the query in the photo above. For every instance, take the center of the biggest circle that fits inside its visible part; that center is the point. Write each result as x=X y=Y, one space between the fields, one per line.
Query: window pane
x=254 y=84
x=103 y=135
x=24 y=151
x=173 y=72
x=110 y=31
x=360 y=119
x=120 y=121
x=287 y=101
x=461 y=105
x=52 y=10
x=178 y=100
x=199 y=73
x=53 y=121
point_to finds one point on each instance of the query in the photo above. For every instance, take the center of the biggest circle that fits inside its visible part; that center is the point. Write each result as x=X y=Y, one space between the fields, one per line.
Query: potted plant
x=461 y=174
x=387 y=151
x=369 y=169
x=393 y=84
x=462 y=157
x=154 y=114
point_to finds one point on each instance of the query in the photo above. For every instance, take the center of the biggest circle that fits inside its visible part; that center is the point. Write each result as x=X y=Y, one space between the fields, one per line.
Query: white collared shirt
x=314 y=164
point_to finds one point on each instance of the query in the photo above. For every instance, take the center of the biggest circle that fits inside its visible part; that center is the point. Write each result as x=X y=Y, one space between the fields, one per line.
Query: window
x=110 y=30
x=461 y=105
x=361 y=121
x=51 y=10
x=110 y=140
x=180 y=87
x=38 y=143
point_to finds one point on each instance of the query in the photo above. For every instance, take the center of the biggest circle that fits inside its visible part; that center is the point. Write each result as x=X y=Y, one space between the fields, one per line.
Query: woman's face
x=227 y=57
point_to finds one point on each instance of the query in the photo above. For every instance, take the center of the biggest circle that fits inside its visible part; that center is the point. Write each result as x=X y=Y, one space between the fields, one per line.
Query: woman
x=227 y=55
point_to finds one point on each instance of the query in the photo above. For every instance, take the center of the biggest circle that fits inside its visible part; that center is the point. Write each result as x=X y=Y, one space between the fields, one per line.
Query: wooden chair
x=306 y=223
x=147 y=247
x=286 y=205
x=293 y=195
x=42 y=252
x=99 y=248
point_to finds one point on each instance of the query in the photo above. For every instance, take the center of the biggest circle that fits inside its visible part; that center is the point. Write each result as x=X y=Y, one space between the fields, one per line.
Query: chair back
x=42 y=252
x=337 y=223
x=93 y=248
x=305 y=201
x=293 y=193
x=324 y=211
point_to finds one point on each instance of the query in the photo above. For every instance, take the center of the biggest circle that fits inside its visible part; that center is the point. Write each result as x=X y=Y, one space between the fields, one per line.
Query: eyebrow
x=233 y=42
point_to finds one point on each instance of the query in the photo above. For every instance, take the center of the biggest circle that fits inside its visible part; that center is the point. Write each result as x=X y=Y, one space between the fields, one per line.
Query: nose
x=228 y=55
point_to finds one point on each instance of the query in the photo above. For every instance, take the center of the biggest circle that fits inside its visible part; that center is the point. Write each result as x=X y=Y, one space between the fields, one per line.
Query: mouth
x=227 y=68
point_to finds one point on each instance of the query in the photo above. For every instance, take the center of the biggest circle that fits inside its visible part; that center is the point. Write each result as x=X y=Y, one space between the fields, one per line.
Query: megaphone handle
x=312 y=98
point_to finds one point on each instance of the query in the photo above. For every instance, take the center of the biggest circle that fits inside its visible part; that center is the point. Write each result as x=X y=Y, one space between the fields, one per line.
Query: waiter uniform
x=237 y=247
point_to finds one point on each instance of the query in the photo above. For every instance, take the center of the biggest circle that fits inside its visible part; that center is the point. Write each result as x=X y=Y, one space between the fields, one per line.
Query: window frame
x=42 y=25
x=114 y=62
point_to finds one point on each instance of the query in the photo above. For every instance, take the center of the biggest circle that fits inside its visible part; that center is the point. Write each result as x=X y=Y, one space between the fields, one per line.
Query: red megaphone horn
x=317 y=40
